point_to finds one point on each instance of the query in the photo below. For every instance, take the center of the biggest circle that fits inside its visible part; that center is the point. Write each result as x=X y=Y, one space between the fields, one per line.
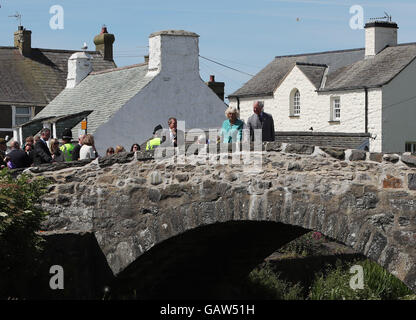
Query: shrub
x=265 y=284
x=305 y=245
x=20 y=219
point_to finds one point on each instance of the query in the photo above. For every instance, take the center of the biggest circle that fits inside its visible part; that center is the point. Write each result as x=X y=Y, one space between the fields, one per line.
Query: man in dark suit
x=17 y=156
x=261 y=120
x=41 y=151
x=175 y=136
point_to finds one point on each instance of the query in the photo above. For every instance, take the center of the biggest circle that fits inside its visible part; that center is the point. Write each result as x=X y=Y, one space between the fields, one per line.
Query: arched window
x=295 y=103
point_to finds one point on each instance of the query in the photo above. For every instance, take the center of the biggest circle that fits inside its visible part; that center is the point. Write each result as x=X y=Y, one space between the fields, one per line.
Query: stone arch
x=134 y=205
x=217 y=204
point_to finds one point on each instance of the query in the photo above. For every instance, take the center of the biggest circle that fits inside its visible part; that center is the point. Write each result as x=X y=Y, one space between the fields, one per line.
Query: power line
x=227 y=66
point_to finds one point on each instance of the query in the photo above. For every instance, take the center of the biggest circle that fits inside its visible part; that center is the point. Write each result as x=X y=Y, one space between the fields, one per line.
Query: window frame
x=294 y=108
x=412 y=145
x=17 y=115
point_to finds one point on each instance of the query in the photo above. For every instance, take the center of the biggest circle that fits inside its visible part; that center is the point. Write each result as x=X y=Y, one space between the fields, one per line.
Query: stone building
x=123 y=105
x=354 y=98
x=30 y=78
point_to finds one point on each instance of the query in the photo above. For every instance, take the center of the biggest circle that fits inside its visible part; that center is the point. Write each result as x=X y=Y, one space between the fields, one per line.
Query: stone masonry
x=134 y=203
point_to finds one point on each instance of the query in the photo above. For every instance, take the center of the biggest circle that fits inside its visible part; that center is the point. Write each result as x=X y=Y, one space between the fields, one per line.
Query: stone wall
x=136 y=203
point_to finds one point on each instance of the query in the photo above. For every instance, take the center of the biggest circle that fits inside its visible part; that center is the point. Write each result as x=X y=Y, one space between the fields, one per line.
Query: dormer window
x=295 y=103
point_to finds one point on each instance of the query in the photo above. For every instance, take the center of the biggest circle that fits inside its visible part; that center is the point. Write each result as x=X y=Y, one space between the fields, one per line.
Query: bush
x=379 y=284
x=306 y=245
x=20 y=219
x=265 y=284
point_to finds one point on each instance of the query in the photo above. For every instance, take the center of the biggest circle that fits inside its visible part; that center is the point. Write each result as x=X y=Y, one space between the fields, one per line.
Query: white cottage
x=342 y=96
x=123 y=105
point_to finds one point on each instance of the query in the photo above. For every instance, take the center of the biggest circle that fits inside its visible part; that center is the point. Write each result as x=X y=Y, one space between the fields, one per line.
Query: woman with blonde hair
x=120 y=149
x=57 y=154
x=87 y=150
x=232 y=128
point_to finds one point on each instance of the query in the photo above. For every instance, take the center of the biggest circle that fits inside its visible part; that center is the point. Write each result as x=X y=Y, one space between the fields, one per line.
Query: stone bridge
x=164 y=226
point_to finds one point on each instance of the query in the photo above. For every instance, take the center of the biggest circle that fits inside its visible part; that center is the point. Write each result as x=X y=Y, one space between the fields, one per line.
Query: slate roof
x=39 y=78
x=373 y=72
x=104 y=93
x=314 y=72
x=267 y=80
x=347 y=70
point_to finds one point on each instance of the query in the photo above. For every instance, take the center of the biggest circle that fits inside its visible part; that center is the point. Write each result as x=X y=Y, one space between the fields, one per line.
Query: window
x=22 y=115
x=296 y=103
x=336 y=109
x=410 y=147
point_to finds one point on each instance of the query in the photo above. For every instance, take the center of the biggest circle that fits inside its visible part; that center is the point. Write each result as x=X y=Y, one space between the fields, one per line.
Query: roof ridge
x=316 y=53
x=311 y=64
x=66 y=50
x=118 y=69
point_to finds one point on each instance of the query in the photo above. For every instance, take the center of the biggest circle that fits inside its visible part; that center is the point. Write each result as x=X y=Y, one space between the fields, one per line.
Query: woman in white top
x=88 y=148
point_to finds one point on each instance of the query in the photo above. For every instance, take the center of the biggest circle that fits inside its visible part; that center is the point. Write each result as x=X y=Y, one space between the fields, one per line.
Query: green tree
x=20 y=220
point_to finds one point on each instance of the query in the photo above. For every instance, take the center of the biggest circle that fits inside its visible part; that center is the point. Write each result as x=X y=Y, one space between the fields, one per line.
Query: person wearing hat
x=157 y=138
x=67 y=147
x=3 y=148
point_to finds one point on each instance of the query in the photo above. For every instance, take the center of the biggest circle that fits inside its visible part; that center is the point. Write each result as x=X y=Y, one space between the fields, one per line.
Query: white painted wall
x=375 y=119
x=79 y=66
x=376 y=38
x=399 y=110
x=316 y=109
x=176 y=91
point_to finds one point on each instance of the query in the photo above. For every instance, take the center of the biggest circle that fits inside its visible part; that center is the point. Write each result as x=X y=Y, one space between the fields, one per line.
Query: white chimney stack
x=378 y=35
x=79 y=66
x=174 y=52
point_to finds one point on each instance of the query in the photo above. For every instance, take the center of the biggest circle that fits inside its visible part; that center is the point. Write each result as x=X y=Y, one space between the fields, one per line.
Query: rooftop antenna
x=18 y=16
x=387 y=17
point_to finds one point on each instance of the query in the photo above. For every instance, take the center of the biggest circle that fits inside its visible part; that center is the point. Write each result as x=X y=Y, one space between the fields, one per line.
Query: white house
x=360 y=91
x=123 y=105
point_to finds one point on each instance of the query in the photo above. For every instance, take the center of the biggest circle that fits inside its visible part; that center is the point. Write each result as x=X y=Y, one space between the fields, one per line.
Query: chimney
x=79 y=66
x=23 y=40
x=174 y=52
x=104 y=43
x=378 y=35
x=217 y=87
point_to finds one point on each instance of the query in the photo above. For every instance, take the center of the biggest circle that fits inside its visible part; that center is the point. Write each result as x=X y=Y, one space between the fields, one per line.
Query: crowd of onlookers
x=41 y=149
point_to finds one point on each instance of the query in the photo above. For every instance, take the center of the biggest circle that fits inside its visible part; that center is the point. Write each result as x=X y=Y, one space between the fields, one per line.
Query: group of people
x=41 y=149
x=231 y=130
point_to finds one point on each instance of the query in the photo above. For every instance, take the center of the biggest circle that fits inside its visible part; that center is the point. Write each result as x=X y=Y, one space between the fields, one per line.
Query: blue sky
x=243 y=34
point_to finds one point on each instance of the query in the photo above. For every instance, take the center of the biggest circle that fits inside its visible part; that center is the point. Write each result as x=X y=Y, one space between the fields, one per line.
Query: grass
x=379 y=284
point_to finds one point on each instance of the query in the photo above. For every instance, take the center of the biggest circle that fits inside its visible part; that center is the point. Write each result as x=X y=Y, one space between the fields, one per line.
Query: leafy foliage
x=20 y=219
x=306 y=245
x=265 y=284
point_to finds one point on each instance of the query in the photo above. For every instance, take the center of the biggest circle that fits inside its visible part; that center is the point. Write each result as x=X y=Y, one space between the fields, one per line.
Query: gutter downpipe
x=366 y=109
x=238 y=104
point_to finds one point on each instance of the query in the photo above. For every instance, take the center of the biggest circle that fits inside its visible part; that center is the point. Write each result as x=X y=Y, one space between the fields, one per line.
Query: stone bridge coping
x=341 y=154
